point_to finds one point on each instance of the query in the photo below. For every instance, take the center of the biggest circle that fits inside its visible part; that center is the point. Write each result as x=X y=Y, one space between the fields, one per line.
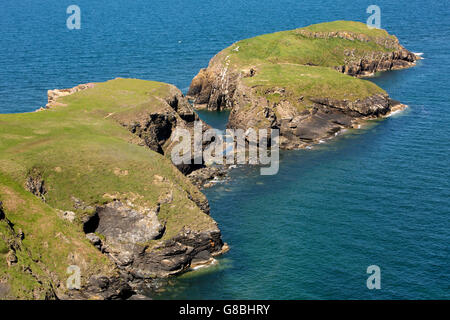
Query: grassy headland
x=85 y=156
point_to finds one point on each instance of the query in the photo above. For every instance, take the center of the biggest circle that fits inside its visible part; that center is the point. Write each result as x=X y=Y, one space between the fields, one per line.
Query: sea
x=374 y=196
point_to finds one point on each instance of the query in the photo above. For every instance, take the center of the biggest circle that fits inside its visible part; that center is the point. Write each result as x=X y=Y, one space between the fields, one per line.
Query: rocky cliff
x=304 y=81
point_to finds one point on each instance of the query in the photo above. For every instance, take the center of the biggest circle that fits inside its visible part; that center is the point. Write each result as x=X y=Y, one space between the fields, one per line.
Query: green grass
x=309 y=82
x=82 y=151
x=79 y=150
x=293 y=47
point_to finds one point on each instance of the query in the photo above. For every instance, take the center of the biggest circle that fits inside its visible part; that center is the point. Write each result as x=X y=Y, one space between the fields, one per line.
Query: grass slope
x=49 y=246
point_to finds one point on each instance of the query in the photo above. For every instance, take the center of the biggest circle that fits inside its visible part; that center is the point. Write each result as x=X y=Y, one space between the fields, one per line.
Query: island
x=305 y=82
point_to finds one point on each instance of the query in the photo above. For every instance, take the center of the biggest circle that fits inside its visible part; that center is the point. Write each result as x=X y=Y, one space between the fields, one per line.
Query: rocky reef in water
x=304 y=82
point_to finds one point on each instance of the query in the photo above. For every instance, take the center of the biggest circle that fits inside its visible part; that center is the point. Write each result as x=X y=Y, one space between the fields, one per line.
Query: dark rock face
x=35 y=184
x=156 y=131
x=176 y=255
x=201 y=86
x=105 y=288
x=357 y=65
x=329 y=116
x=125 y=229
x=203 y=176
x=127 y=232
x=203 y=204
x=376 y=62
x=181 y=106
x=321 y=121
x=2 y=213
x=371 y=106
x=213 y=88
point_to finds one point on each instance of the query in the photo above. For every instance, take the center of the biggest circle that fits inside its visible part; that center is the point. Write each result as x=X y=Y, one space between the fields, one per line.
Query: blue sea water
x=375 y=196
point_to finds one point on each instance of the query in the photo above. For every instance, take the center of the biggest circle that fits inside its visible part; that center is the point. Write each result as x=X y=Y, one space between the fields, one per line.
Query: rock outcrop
x=130 y=236
x=156 y=128
x=376 y=62
x=204 y=177
x=367 y=64
x=53 y=95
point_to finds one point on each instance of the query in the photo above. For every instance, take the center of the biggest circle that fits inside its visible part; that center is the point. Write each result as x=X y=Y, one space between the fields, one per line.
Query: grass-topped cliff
x=287 y=79
x=323 y=44
x=79 y=156
x=307 y=82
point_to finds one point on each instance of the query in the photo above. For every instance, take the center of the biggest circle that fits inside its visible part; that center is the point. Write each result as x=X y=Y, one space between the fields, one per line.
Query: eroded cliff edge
x=88 y=184
x=305 y=82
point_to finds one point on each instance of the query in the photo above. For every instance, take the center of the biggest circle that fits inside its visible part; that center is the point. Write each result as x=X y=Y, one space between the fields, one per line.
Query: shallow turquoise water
x=379 y=195
x=216 y=119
